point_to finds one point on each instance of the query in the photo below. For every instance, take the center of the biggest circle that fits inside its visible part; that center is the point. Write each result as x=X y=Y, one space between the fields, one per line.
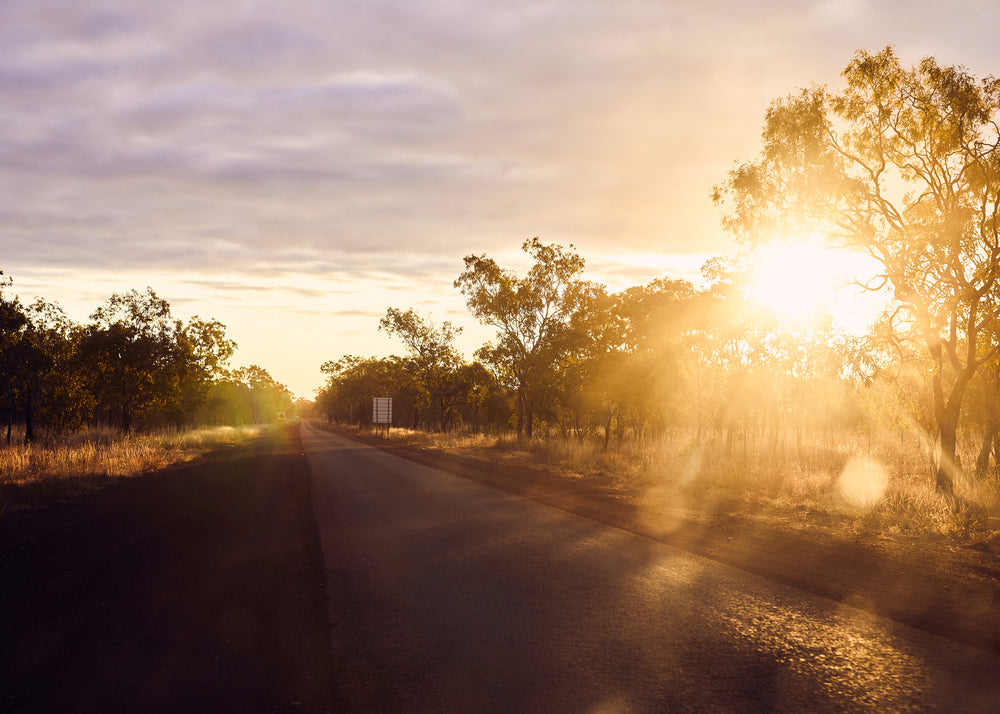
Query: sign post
x=382 y=415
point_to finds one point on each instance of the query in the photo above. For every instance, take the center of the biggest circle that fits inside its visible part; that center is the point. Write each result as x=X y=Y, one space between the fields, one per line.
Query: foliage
x=434 y=362
x=532 y=316
x=904 y=164
x=133 y=365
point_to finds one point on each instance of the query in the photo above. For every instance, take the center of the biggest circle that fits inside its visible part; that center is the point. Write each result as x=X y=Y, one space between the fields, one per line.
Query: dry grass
x=874 y=485
x=58 y=467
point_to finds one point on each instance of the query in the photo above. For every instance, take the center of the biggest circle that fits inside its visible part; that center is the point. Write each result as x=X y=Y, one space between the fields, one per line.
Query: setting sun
x=802 y=280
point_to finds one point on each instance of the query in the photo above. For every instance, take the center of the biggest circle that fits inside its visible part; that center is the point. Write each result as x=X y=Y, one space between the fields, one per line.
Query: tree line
x=578 y=361
x=132 y=365
x=903 y=165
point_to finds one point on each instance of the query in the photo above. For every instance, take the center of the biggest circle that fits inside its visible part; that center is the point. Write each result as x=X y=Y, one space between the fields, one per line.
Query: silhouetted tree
x=127 y=353
x=201 y=355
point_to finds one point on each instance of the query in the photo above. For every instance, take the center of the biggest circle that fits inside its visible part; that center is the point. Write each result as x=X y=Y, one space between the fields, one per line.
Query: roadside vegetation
x=131 y=367
x=128 y=392
x=57 y=467
x=843 y=487
x=745 y=388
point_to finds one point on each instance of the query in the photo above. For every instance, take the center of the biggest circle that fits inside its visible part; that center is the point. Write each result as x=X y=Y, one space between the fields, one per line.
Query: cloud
x=308 y=146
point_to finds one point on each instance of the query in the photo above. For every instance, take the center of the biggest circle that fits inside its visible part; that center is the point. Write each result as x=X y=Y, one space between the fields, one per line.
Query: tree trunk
x=29 y=431
x=989 y=435
x=992 y=394
x=522 y=415
x=946 y=414
x=948 y=464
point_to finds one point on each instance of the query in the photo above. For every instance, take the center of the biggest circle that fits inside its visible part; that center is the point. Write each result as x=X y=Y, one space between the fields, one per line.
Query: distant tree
x=653 y=323
x=55 y=388
x=13 y=344
x=352 y=383
x=128 y=355
x=531 y=313
x=265 y=396
x=904 y=165
x=434 y=357
x=485 y=405
x=201 y=355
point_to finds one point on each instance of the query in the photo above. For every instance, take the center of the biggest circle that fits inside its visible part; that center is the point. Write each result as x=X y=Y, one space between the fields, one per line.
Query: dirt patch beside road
x=947 y=588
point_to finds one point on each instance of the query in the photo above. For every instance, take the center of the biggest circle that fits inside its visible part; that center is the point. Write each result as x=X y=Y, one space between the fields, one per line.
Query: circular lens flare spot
x=863 y=482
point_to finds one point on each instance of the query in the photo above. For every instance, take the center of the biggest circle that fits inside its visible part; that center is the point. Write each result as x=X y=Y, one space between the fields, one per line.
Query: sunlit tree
x=434 y=358
x=201 y=356
x=56 y=388
x=263 y=393
x=531 y=314
x=904 y=165
x=354 y=381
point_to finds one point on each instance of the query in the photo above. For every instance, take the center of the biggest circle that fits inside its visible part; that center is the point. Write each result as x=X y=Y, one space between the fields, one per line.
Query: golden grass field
x=869 y=486
x=52 y=468
x=875 y=487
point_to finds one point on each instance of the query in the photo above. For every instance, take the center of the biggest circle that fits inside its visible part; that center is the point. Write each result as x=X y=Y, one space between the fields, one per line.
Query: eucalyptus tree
x=127 y=352
x=904 y=165
x=265 y=395
x=352 y=382
x=531 y=313
x=485 y=405
x=201 y=356
x=433 y=356
x=13 y=344
x=57 y=393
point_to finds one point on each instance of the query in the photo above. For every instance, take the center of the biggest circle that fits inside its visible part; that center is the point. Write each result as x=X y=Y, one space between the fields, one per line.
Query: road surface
x=447 y=595
x=308 y=572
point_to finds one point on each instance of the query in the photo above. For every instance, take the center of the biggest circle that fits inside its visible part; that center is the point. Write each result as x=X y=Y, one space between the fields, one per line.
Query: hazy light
x=863 y=482
x=800 y=280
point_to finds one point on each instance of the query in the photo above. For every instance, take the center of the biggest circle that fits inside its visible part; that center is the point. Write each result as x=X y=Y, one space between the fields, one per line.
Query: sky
x=295 y=167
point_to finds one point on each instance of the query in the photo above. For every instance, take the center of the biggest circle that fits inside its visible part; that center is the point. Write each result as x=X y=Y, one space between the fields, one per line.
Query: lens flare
x=801 y=280
x=863 y=482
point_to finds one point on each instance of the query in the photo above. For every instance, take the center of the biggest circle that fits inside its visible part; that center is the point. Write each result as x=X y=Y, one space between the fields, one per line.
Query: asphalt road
x=446 y=595
x=319 y=574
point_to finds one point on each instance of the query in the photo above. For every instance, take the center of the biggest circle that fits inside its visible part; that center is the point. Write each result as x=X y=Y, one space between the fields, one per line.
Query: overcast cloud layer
x=300 y=166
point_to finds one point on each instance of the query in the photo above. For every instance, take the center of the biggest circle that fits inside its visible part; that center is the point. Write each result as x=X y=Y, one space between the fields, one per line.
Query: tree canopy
x=904 y=165
x=531 y=314
x=132 y=364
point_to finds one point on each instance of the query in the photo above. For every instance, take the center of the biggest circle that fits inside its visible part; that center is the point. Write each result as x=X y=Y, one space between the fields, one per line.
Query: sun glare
x=802 y=280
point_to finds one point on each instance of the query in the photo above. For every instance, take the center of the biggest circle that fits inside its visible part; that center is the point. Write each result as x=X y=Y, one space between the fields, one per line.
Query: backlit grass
x=875 y=485
x=58 y=467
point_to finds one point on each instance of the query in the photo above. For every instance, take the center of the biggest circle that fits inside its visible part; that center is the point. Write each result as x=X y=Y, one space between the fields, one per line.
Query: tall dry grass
x=55 y=467
x=871 y=484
